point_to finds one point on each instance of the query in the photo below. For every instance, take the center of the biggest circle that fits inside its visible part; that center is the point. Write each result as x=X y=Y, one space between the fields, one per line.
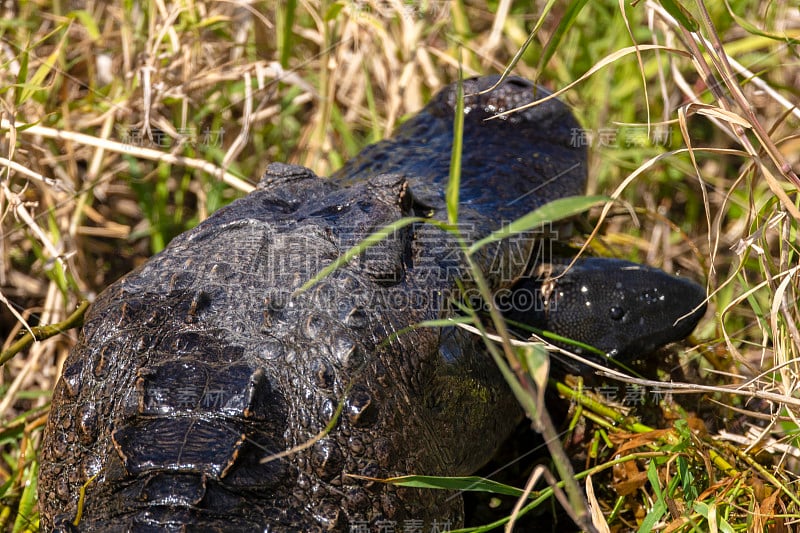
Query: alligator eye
x=617 y=313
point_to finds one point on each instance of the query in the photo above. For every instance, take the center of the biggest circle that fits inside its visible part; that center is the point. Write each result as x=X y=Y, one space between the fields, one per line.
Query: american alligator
x=200 y=390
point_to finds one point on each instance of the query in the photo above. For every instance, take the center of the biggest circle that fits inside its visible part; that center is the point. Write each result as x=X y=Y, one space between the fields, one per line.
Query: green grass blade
x=558 y=36
x=370 y=240
x=681 y=14
x=438 y=323
x=286 y=32
x=467 y=483
x=454 y=183
x=755 y=30
x=513 y=63
x=527 y=402
x=36 y=83
x=22 y=76
x=375 y=118
x=348 y=140
x=659 y=507
x=710 y=513
x=553 y=337
x=26 y=515
x=536 y=360
x=551 y=212
x=87 y=21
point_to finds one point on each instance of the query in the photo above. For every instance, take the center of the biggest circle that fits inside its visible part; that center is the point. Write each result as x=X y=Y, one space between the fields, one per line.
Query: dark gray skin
x=198 y=366
x=622 y=308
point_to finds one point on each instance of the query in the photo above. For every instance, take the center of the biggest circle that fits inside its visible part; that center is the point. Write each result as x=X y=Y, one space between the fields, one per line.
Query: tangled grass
x=126 y=124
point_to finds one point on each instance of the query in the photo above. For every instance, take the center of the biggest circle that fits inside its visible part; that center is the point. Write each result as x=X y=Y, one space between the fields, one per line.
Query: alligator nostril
x=616 y=313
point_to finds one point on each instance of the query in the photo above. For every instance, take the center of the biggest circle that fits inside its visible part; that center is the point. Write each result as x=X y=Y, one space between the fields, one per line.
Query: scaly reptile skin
x=199 y=365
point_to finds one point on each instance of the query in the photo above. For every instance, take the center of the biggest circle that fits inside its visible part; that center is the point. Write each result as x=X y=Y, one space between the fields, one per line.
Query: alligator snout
x=621 y=308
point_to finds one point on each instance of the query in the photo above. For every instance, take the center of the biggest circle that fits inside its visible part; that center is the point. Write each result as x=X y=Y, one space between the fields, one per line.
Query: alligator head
x=621 y=308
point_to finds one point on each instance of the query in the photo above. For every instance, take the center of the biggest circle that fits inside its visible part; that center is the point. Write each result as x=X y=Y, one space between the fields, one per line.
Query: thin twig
x=40 y=333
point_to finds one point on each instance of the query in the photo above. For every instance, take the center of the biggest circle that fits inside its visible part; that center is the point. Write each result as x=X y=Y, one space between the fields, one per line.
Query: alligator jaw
x=623 y=309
